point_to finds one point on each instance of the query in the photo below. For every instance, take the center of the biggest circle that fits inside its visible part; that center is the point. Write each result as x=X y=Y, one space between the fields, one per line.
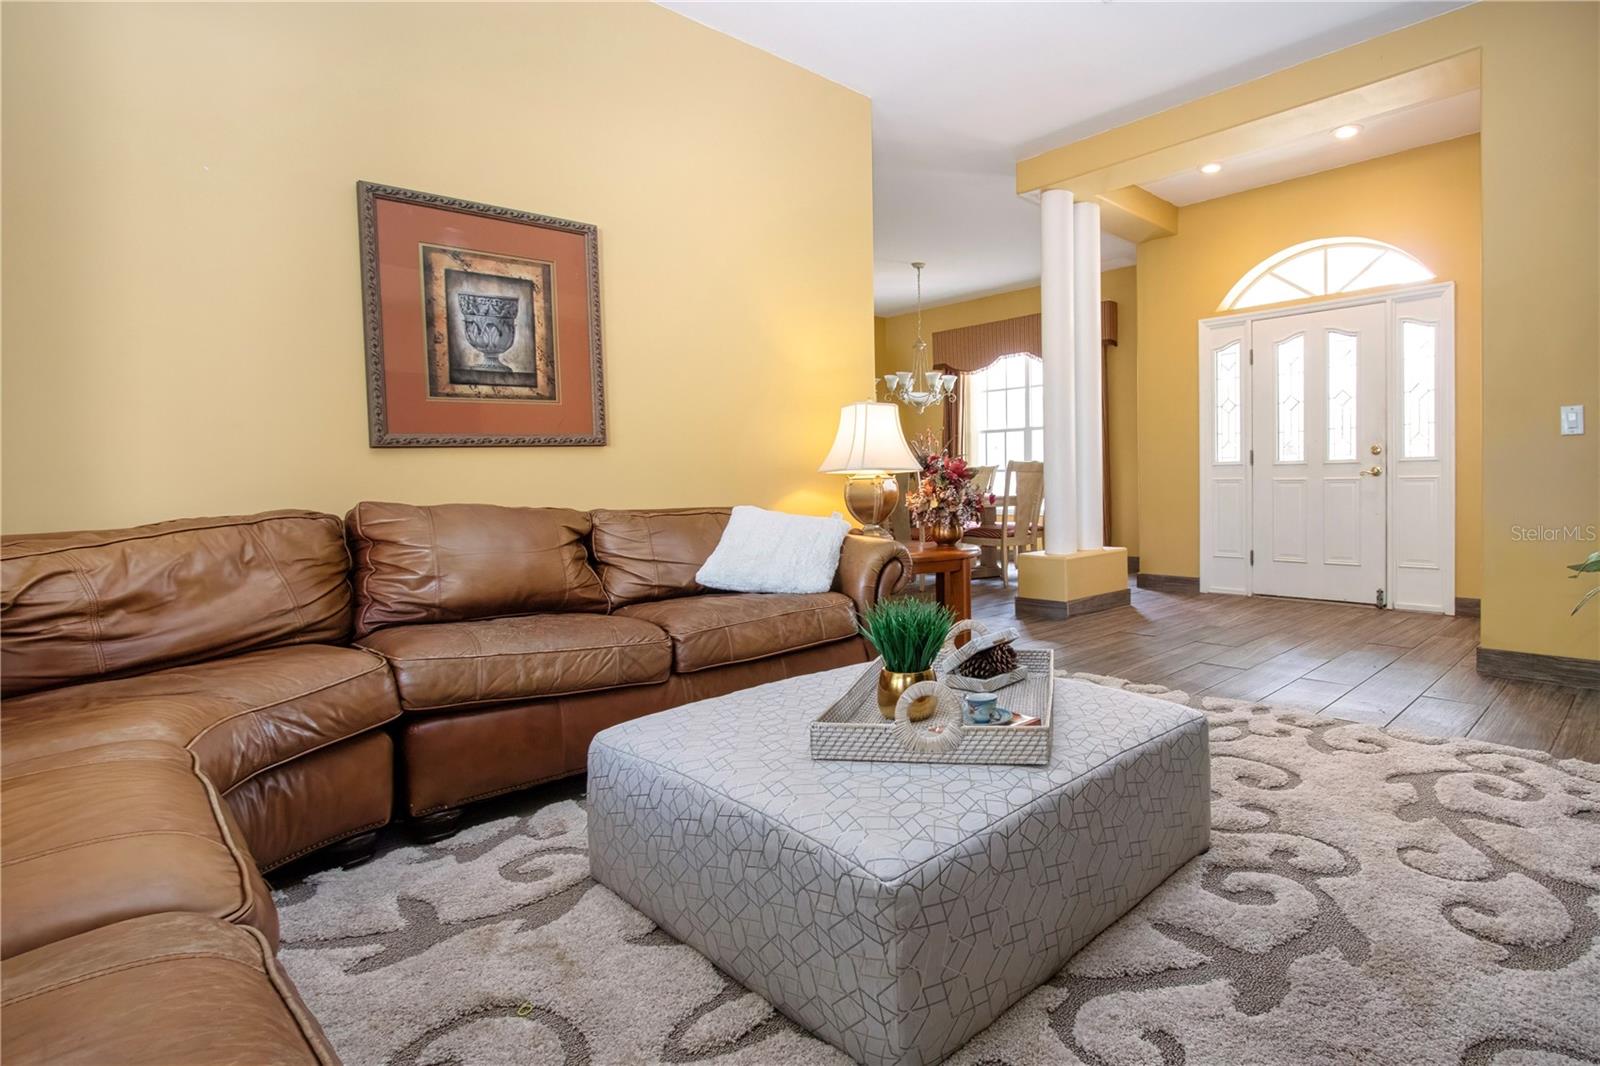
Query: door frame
x=1393 y=301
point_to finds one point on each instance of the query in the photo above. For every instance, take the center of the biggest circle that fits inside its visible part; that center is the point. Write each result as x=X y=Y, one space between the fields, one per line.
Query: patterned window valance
x=971 y=348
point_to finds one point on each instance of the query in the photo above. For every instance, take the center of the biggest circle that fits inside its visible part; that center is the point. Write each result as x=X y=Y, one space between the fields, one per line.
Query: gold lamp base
x=871 y=499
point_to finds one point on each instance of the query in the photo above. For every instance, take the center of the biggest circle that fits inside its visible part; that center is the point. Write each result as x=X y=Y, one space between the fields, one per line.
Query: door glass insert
x=1291 y=360
x=1227 y=413
x=1341 y=397
x=1419 y=414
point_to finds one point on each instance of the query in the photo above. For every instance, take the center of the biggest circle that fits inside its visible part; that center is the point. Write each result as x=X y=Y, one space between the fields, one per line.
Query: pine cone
x=990 y=662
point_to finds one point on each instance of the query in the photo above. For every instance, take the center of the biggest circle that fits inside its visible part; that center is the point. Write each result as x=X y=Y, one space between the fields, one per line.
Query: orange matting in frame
x=402 y=228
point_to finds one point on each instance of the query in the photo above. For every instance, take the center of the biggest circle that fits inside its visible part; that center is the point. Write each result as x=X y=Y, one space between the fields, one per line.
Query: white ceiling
x=1382 y=134
x=961 y=91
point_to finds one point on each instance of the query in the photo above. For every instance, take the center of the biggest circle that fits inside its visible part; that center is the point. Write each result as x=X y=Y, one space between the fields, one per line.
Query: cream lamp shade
x=870 y=441
x=869 y=448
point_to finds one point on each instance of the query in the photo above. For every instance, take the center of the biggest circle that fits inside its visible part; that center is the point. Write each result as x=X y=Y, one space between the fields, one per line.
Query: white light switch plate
x=1572 y=420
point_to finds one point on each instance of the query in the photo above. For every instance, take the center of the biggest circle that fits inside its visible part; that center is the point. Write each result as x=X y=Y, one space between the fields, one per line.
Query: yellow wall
x=896 y=333
x=183 y=326
x=1426 y=201
x=1541 y=329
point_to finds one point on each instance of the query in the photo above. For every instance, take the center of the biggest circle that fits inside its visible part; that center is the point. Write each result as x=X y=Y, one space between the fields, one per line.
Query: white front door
x=1319 y=431
x=1327 y=451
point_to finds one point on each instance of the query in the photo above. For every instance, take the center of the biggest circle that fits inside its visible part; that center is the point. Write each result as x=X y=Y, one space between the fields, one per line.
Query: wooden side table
x=952 y=574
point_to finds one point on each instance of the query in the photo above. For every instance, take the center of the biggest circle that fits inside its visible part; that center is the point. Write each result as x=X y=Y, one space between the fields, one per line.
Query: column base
x=1059 y=586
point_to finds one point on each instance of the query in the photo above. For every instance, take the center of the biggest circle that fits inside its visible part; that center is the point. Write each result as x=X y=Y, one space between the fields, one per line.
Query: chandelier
x=921 y=387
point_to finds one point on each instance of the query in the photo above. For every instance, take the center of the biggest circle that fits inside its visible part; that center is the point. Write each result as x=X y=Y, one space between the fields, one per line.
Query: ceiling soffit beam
x=1136 y=215
x=1279 y=107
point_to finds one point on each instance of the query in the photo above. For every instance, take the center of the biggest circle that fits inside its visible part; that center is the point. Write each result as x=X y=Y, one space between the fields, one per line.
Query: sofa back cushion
x=455 y=562
x=653 y=555
x=80 y=606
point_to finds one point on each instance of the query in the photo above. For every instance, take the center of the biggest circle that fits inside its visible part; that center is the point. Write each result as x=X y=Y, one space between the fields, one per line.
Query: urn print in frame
x=482 y=324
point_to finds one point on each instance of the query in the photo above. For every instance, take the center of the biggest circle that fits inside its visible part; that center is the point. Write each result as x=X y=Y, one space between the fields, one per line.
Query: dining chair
x=983 y=478
x=1018 y=524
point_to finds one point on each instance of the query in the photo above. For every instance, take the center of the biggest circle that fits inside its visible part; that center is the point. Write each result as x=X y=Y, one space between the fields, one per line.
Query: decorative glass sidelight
x=1341 y=397
x=1418 y=383
x=1291 y=367
x=1227 y=412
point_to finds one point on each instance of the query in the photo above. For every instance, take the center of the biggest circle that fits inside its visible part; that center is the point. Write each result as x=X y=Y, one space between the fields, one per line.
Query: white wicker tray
x=853 y=728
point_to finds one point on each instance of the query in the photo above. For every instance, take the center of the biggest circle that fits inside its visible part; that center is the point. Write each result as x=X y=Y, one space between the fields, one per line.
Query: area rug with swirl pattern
x=1369 y=897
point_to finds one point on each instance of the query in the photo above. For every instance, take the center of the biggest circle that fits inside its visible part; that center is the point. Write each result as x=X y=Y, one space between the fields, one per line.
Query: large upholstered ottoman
x=894 y=909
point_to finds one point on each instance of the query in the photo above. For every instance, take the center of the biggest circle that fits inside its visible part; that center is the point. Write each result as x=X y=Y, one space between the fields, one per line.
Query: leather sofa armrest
x=871 y=568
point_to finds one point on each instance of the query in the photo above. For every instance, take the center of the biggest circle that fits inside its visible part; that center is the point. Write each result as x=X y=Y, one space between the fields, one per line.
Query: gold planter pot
x=892 y=685
x=946 y=532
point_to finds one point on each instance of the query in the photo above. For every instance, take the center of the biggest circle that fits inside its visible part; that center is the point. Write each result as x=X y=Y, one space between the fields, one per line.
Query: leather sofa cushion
x=456 y=562
x=80 y=606
x=651 y=555
x=308 y=803
x=451 y=759
x=104 y=834
x=169 y=988
x=715 y=630
x=240 y=716
x=460 y=663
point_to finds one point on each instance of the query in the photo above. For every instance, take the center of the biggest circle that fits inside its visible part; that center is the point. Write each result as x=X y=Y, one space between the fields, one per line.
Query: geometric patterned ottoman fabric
x=894 y=909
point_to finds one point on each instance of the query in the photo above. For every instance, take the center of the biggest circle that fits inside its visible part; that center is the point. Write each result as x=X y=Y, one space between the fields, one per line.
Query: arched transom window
x=1325 y=267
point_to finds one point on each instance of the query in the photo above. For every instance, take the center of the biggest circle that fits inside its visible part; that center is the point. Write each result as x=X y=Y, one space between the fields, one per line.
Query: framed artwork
x=482 y=324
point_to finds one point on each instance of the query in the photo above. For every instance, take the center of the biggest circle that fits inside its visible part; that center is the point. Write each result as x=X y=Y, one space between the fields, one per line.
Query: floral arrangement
x=945 y=493
x=926 y=445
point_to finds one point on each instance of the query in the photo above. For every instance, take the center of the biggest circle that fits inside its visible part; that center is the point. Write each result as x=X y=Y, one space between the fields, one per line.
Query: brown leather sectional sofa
x=191 y=703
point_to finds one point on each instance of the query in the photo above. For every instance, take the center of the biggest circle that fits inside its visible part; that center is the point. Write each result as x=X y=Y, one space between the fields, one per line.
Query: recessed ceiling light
x=1344 y=133
x=1211 y=168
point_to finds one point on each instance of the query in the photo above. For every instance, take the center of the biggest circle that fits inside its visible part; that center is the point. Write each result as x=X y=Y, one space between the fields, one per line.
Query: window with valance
x=999 y=415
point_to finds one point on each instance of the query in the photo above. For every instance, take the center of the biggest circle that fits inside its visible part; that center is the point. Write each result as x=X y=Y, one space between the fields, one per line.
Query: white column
x=1058 y=337
x=1090 y=475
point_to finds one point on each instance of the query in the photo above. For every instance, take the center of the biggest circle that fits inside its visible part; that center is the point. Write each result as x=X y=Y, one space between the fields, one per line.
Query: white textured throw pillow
x=768 y=551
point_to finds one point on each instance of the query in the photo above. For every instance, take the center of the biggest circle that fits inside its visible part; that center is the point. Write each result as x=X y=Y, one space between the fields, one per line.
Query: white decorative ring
x=966 y=625
x=939 y=734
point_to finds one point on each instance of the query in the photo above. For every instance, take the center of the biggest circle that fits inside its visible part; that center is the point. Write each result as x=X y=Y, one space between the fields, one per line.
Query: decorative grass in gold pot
x=908 y=633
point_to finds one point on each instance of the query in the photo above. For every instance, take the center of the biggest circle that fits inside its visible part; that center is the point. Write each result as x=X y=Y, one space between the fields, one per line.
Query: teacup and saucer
x=983 y=708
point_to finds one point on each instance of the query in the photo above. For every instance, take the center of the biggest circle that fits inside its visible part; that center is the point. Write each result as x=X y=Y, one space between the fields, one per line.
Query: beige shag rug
x=1369 y=897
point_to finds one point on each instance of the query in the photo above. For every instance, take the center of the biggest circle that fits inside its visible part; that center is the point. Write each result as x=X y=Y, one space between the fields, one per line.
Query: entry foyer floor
x=1398 y=668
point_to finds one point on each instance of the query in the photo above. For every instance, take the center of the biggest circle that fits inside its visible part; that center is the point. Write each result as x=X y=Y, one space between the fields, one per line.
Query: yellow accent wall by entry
x=895 y=335
x=183 y=307
x=1425 y=201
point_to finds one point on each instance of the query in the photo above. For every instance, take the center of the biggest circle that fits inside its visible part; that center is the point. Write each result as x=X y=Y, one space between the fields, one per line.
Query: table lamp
x=869 y=450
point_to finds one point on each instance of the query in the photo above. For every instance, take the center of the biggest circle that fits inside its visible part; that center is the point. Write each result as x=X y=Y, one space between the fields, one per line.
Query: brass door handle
x=1373 y=471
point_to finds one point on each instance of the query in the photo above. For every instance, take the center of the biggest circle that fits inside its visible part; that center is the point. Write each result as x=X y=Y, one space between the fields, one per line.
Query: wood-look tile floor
x=1342 y=660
